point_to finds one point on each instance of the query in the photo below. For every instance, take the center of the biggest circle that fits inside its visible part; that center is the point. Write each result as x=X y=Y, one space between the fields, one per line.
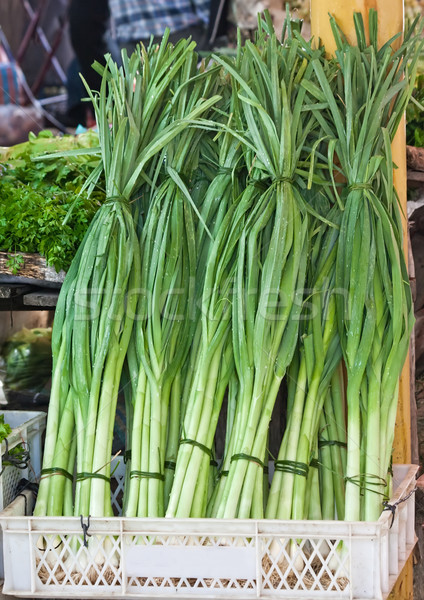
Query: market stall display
x=250 y=235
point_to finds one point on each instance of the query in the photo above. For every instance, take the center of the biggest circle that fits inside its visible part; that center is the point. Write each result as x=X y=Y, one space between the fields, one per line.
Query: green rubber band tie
x=56 y=471
x=257 y=183
x=223 y=474
x=291 y=466
x=314 y=463
x=83 y=476
x=116 y=200
x=225 y=171
x=169 y=464
x=146 y=475
x=283 y=180
x=359 y=186
x=213 y=463
x=262 y=184
x=205 y=449
x=363 y=481
x=323 y=443
x=247 y=457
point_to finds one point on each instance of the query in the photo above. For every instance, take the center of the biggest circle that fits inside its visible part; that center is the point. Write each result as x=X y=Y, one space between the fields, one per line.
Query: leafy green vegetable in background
x=32 y=221
x=14 y=262
x=5 y=429
x=17 y=456
x=28 y=359
x=20 y=157
x=414 y=114
x=35 y=196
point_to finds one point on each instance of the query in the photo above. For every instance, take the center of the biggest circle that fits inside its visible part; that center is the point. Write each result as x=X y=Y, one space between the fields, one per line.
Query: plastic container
x=27 y=428
x=208 y=558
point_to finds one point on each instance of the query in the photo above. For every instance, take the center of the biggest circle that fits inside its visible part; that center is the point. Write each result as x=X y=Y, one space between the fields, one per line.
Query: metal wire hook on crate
x=393 y=507
x=20 y=461
x=85 y=527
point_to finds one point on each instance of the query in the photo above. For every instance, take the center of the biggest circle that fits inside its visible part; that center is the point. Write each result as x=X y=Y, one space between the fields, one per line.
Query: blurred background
x=42 y=50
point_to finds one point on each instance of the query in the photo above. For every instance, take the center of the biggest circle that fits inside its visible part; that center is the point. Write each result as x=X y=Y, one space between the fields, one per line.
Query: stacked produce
x=249 y=245
x=44 y=206
x=27 y=359
x=374 y=313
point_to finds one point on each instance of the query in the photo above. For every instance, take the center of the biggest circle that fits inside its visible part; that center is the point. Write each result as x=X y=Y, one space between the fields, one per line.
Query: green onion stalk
x=210 y=365
x=126 y=123
x=295 y=490
x=164 y=328
x=366 y=96
x=155 y=81
x=97 y=304
x=55 y=496
x=162 y=336
x=128 y=119
x=213 y=367
x=271 y=260
x=332 y=449
x=87 y=327
x=221 y=194
x=212 y=186
x=101 y=284
x=319 y=355
x=394 y=320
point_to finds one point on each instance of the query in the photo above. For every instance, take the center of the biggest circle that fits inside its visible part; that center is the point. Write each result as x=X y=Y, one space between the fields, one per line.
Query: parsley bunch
x=35 y=197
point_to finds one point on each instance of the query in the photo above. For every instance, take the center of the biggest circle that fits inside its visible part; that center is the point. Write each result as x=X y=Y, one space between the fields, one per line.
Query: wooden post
x=390 y=22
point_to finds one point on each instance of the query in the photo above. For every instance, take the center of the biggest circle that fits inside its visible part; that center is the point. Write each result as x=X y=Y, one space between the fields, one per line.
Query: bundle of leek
x=366 y=90
x=164 y=325
x=270 y=258
x=319 y=355
x=97 y=304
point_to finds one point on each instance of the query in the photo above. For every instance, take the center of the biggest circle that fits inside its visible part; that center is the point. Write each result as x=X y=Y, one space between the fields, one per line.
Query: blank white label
x=200 y=562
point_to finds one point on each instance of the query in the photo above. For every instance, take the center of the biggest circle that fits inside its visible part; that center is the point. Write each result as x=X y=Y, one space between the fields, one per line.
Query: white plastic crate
x=208 y=558
x=27 y=429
